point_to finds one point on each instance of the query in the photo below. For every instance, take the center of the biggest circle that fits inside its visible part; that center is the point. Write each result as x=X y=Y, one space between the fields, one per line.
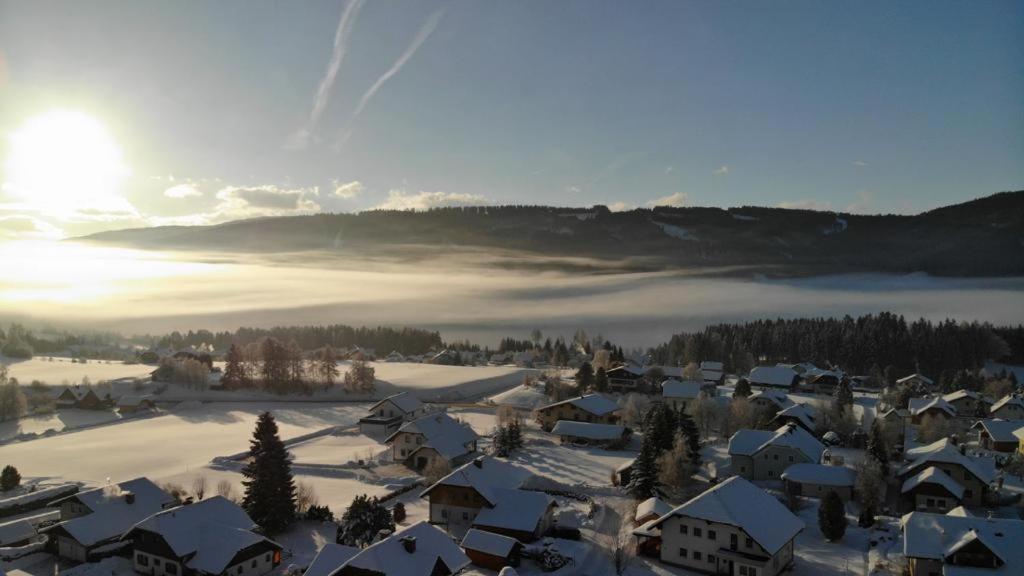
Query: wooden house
x=491 y=551
x=593 y=408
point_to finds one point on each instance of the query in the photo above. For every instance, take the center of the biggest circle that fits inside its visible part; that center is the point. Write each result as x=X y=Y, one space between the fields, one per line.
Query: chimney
x=409 y=543
x=478 y=462
x=129 y=497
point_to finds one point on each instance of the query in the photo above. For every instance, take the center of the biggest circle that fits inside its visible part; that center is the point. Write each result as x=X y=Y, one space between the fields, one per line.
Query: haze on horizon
x=121 y=114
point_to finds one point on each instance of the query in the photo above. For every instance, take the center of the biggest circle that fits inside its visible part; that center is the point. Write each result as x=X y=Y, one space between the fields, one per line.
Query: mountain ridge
x=981 y=237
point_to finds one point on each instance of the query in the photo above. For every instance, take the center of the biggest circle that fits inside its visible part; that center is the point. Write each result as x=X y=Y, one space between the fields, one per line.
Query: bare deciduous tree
x=305 y=497
x=199 y=487
x=225 y=489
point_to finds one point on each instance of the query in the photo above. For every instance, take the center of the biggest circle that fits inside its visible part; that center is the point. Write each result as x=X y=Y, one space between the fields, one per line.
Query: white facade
x=718 y=548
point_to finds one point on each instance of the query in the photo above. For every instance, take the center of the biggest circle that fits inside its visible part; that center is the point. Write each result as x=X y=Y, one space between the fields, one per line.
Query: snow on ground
x=55 y=370
x=481 y=420
x=523 y=397
x=58 y=421
x=337 y=449
x=166 y=445
x=817 y=557
x=571 y=465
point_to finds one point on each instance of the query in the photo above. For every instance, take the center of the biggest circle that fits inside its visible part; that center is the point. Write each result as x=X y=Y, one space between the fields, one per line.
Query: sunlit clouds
x=675 y=200
x=402 y=200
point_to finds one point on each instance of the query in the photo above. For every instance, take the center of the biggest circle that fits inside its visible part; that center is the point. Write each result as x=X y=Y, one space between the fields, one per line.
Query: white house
x=419 y=550
x=387 y=415
x=817 y=480
x=766 y=454
x=570 y=432
x=954 y=544
x=681 y=395
x=732 y=528
x=432 y=438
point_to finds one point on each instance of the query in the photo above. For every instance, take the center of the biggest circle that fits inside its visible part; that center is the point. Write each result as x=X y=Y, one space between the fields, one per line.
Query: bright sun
x=65 y=161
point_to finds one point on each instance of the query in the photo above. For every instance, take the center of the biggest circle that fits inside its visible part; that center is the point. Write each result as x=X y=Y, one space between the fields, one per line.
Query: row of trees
x=284 y=368
x=863 y=345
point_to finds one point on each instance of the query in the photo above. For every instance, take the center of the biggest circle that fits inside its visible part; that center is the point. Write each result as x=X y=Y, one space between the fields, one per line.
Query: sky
x=141 y=113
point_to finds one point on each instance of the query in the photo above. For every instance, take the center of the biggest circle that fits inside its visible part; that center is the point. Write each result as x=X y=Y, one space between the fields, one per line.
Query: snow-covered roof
x=596 y=404
x=441 y=432
x=739 y=503
x=915 y=376
x=687 y=389
x=588 y=430
x=776 y=397
x=112 y=514
x=773 y=376
x=519 y=510
x=652 y=506
x=938 y=536
x=922 y=405
x=915 y=453
x=806 y=414
x=806 y=473
x=1001 y=430
x=125 y=401
x=404 y=401
x=946 y=452
x=391 y=557
x=749 y=442
x=1005 y=401
x=329 y=558
x=712 y=365
x=210 y=532
x=934 y=476
x=16 y=531
x=485 y=475
x=961 y=394
x=489 y=543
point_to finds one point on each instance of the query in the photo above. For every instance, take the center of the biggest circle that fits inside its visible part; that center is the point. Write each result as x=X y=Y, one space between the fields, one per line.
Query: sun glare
x=64 y=161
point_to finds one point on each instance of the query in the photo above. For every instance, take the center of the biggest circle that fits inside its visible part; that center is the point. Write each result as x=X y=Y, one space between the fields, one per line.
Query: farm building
x=135 y=404
x=491 y=551
x=817 y=480
x=585 y=433
x=592 y=408
x=81 y=397
x=998 y=435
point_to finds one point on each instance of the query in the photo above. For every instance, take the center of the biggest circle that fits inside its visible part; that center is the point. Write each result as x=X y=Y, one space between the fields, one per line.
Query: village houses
x=432 y=439
x=973 y=474
x=765 y=454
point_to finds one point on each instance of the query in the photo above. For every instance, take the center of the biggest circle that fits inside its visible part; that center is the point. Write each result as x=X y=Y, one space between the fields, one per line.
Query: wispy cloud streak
x=421 y=36
x=323 y=92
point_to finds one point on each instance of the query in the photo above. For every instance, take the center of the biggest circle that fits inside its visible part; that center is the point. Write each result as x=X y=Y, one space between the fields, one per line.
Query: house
x=623 y=472
x=650 y=509
x=802 y=415
x=212 y=537
x=973 y=474
x=329 y=558
x=16 y=533
x=625 y=378
x=932 y=407
x=681 y=395
x=135 y=404
x=432 y=438
x=770 y=400
x=491 y=551
x=82 y=397
x=959 y=545
x=485 y=494
x=917 y=382
x=732 y=528
x=773 y=377
x=1009 y=407
x=968 y=403
x=817 y=480
x=419 y=550
x=766 y=454
x=586 y=433
x=998 y=435
x=931 y=490
x=712 y=372
x=93 y=519
x=394 y=356
x=592 y=408
x=387 y=415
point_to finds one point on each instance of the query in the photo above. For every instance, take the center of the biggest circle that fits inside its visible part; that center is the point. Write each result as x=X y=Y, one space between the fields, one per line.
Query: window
x=771 y=473
x=790 y=458
x=254 y=562
x=696 y=555
x=930 y=502
x=711 y=558
x=266 y=558
x=696 y=532
x=749 y=543
x=682 y=529
x=743 y=571
x=968 y=493
x=142 y=560
x=775 y=457
x=156 y=562
x=239 y=571
x=751 y=571
x=465 y=515
x=171 y=568
x=743 y=469
x=682 y=552
x=444 y=514
x=711 y=534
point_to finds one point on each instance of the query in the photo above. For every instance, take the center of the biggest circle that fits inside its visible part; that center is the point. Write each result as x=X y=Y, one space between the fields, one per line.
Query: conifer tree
x=234 y=372
x=362 y=522
x=688 y=428
x=742 y=389
x=643 y=480
x=877 y=447
x=584 y=378
x=843 y=397
x=832 y=517
x=269 y=487
x=601 y=380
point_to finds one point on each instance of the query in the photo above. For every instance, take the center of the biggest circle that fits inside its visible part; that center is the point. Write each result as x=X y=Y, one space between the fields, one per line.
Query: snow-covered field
x=336 y=449
x=58 y=421
x=166 y=445
x=58 y=370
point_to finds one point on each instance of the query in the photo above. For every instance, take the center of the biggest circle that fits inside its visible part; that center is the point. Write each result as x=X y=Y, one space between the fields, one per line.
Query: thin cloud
x=675 y=200
x=722 y=170
x=421 y=36
x=347 y=190
x=619 y=207
x=300 y=139
x=182 y=191
x=401 y=200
